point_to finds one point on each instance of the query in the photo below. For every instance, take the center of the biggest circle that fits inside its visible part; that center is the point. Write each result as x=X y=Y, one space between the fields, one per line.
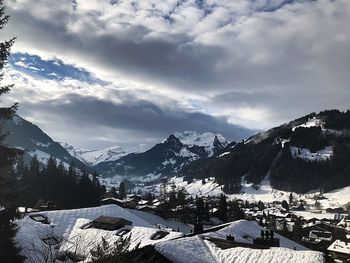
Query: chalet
x=147 y=208
x=143 y=202
x=345 y=222
x=135 y=197
x=340 y=250
x=125 y=203
x=47 y=206
x=112 y=201
x=130 y=203
x=336 y=210
x=183 y=214
x=318 y=240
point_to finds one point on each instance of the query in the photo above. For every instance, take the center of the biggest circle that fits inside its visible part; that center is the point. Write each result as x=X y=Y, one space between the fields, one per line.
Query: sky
x=98 y=73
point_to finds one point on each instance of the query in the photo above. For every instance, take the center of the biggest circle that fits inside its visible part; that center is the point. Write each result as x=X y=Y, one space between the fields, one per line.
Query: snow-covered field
x=306 y=154
x=263 y=192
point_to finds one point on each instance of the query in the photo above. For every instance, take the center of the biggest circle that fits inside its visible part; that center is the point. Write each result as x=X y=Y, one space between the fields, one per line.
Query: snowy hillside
x=307 y=153
x=94 y=157
x=253 y=193
x=33 y=141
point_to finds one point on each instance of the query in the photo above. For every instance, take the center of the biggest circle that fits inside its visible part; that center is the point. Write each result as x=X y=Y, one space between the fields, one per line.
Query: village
x=157 y=224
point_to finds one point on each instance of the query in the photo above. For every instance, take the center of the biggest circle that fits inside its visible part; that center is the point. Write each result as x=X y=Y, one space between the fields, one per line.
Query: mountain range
x=307 y=153
x=94 y=157
x=167 y=157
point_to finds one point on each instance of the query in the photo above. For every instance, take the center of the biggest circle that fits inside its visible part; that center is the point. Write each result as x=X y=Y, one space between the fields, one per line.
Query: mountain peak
x=93 y=157
x=193 y=138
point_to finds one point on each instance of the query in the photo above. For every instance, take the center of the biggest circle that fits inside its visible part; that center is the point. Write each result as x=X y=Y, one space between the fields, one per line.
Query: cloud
x=256 y=63
x=96 y=114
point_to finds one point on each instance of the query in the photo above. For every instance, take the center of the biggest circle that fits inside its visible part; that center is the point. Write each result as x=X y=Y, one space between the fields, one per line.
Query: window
x=86 y=226
x=159 y=235
x=40 y=218
x=122 y=232
x=51 y=241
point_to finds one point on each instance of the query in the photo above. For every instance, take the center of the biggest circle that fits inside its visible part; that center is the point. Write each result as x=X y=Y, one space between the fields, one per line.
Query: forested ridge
x=270 y=153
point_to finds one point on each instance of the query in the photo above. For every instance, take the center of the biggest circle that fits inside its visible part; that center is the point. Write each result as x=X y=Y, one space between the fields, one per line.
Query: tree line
x=66 y=187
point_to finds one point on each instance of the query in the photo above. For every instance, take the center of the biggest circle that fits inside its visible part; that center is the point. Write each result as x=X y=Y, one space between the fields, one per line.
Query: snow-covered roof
x=340 y=247
x=197 y=249
x=114 y=199
x=163 y=223
x=66 y=225
x=242 y=229
x=82 y=241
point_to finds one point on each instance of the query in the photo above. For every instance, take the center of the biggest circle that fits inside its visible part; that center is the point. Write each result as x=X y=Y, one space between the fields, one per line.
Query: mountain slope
x=167 y=157
x=30 y=138
x=94 y=157
x=307 y=153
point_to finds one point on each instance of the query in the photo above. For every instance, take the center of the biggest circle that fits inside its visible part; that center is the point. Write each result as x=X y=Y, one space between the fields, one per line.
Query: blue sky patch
x=54 y=69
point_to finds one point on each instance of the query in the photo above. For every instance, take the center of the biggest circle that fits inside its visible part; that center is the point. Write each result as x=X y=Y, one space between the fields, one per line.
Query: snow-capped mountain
x=208 y=141
x=167 y=157
x=33 y=141
x=94 y=157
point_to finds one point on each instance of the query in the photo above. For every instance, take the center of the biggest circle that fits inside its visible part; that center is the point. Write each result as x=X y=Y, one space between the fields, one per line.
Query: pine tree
x=122 y=190
x=8 y=250
x=285 y=205
x=222 y=208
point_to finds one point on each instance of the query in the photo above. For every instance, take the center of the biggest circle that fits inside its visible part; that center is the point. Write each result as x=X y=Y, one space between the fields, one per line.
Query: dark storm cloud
x=141 y=116
x=174 y=59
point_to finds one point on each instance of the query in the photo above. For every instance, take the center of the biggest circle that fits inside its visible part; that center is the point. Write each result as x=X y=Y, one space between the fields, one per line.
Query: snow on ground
x=163 y=223
x=337 y=197
x=43 y=157
x=310 y=123
x=184 y=152
x=306 y=154
x=196 y=187
x=223 y=154
x=198 y=249
x=263 y=192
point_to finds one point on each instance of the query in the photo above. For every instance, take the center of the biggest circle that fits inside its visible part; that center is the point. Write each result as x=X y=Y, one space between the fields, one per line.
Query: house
x=112 y=201
x=147 y=208
x=135 y=197
x=318 y=240
x=340 y=250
